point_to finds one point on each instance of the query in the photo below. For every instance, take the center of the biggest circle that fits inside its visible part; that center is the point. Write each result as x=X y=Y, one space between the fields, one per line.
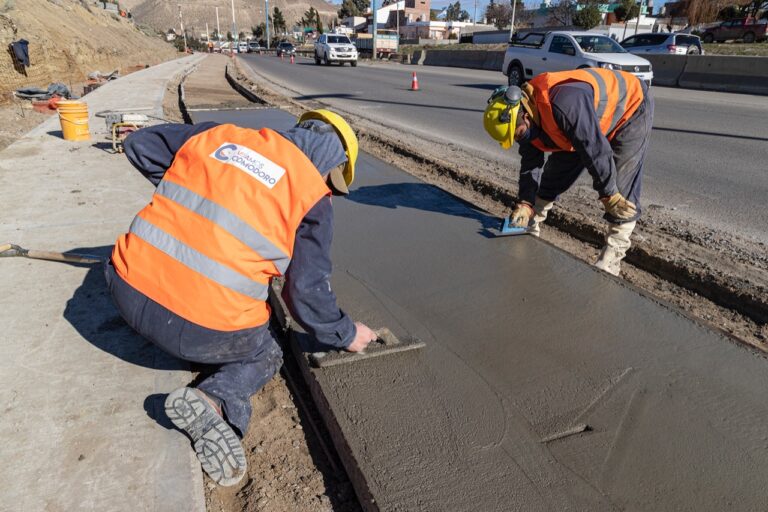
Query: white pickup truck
x=335 y=48
x=540 y=52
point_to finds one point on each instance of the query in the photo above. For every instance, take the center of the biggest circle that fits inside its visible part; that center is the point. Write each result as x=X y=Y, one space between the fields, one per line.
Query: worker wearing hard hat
x=233 y=208
x=597 y=119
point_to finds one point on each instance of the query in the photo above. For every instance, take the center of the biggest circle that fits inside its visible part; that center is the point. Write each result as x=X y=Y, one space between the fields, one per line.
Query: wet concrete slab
x=545 y=384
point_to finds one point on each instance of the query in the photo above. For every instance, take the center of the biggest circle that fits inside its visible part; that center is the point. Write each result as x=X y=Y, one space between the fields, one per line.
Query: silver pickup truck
x=540 y=52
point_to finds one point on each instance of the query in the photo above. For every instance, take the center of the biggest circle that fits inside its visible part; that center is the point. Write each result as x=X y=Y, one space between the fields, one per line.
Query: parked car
x=747 y=29
x=335 y=48
x=242 y=47
x=540 y=52
x=663 y=43
x=254 y=46
x=285 y=48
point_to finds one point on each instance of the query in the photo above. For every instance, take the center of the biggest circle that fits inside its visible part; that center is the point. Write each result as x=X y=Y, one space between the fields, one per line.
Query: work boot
x=616 y=246
x=217 y=446
x=541 y=209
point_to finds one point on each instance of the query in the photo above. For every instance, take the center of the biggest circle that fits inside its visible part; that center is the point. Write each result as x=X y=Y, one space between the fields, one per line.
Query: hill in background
x=69 y=39
x=164 y=14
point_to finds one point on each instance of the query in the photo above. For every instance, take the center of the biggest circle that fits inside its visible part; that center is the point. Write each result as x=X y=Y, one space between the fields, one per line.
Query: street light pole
x=642 y=4
x=218 y=28
x=375 y=29
x=234 y=24
x=512 y=24
x=266 y=21
x=181 y=23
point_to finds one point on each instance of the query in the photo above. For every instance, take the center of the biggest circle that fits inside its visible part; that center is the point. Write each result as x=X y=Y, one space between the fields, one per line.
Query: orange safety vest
x=221 y=224
x=617 y=97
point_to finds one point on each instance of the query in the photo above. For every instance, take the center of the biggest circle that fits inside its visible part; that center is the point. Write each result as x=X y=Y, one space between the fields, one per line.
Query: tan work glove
x=521 y=215
x=619 y=207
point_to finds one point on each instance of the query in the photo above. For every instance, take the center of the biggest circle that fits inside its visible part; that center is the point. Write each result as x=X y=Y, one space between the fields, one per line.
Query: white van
x=242 y=47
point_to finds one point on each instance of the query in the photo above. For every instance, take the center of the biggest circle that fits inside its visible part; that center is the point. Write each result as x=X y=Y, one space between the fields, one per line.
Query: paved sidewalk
x=78 y=389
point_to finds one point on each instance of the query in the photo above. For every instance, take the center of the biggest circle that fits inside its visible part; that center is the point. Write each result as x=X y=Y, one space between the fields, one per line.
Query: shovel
x=12 y=250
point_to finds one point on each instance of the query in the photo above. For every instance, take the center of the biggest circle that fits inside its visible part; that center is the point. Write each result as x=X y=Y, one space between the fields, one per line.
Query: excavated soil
x=715 y=277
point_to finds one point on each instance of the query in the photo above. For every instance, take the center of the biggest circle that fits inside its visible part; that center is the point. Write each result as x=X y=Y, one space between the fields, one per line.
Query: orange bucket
x=73 y=116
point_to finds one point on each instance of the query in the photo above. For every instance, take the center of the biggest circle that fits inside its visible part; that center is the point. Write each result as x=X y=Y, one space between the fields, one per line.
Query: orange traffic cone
x=414 y=83
x=293 y=59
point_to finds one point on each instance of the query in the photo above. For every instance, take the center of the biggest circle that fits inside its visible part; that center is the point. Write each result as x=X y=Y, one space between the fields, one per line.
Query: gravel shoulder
x=717 y=278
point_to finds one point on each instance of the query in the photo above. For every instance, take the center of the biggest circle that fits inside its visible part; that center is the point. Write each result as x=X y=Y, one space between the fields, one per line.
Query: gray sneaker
x=217 y=446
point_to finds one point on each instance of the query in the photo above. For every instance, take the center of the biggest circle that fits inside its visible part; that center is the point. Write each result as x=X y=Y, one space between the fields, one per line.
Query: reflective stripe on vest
x=197 y=261
x=227 y=220
x=222 y=223
x=617 y=97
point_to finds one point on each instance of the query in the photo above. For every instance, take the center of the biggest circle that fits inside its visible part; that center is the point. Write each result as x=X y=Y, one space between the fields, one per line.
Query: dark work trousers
x=246 y=359
x=629 y=145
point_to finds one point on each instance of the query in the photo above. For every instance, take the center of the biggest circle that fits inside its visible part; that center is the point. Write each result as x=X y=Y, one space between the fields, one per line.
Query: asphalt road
x=708 y=154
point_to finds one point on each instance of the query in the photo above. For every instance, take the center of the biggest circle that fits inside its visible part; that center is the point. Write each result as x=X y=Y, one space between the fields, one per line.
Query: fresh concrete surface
x=546 y=385
x=207 y=87
x=706 y=159
x=78 y=388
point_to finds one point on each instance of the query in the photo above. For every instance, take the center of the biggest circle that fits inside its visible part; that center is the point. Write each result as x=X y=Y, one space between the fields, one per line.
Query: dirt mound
x=69 y=39
x=164 y=14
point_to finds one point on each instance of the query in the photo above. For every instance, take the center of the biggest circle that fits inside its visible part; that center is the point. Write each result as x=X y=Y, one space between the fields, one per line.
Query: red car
x=748 y=29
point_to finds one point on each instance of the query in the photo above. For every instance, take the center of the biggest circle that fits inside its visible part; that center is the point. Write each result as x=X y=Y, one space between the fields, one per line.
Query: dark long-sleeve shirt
x=574 y=112
x=307 y=290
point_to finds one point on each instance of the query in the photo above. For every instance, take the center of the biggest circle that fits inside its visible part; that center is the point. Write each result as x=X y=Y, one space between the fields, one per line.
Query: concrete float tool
x=12 y=251
x=387 y=343
x=507 y=229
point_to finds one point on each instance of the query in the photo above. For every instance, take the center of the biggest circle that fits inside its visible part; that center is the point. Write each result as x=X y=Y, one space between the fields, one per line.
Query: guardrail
x=706 y=72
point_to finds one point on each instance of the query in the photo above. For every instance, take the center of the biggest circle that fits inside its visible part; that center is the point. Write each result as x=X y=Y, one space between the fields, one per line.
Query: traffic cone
x=293 y=59
x=414 y=83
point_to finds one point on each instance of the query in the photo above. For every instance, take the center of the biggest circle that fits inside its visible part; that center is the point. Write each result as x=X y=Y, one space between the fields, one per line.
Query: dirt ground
x=16 y=120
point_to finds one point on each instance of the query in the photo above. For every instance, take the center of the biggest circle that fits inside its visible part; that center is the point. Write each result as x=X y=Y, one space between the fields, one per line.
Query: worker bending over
x=597 y=119
x=233 y=208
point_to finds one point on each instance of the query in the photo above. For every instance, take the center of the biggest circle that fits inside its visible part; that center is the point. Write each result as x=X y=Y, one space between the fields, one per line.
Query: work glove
x=619 y=207
x=521 y=215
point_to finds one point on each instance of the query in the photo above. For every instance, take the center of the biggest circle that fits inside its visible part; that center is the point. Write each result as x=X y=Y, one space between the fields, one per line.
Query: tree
x=278 y=21
x=626 y=10
x=500 y=15
x=348 y=9
x=589 y=16
x=229 y=36
x=562 y=12
x=454 y=12
x=259 y=30
x=241 y=36
x=215 y=35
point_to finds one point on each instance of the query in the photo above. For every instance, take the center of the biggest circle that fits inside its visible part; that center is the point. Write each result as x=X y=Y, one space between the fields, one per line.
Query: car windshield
x=339 y=39
x=286 y=45
x=644 y=40
x=598 y=44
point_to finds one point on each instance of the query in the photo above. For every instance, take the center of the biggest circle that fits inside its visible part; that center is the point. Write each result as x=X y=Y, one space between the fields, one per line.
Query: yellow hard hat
x=348 y=140
x=500 y=116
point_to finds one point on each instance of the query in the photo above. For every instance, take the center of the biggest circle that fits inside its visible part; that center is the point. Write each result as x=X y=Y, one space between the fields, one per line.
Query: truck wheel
x=749 y=37
x=325 y=60
x=353 y=63
x=515 y=76
x=317 y=59
x=693 y=50
x=709 y=38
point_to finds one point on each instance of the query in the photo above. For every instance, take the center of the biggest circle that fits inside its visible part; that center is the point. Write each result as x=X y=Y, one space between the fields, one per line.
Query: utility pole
x=181 y=23
x=234 y=24
x=512 y=24
x=375 y=29
x=474 y=15
x=218 y=29
x=266 y=21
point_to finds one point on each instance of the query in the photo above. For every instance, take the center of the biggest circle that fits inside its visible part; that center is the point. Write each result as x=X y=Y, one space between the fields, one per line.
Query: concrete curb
x=726 y=74
x=667 y=69
x=707 y=72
